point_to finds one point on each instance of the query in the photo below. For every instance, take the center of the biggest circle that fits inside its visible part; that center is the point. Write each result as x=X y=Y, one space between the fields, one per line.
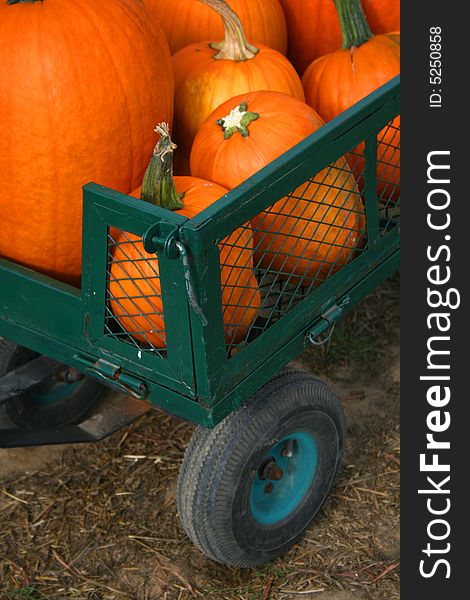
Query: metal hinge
x=113 y=375
x=330 y=313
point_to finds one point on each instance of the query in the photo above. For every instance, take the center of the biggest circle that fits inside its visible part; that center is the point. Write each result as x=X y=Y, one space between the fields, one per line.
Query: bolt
x=268 y=488
x=72 y=376
x=273 y=472
x=270 y=470
x=288 y=450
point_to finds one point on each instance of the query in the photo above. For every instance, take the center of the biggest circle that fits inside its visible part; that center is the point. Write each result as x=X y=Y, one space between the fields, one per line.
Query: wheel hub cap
x=284 y=477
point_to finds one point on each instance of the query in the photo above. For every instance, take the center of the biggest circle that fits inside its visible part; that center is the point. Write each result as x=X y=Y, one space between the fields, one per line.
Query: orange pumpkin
x=134 y=285
x=314 y=29
x=78 y=102
x=207 y=75
x=336 y=81
x=313 y=231
x=188 y=21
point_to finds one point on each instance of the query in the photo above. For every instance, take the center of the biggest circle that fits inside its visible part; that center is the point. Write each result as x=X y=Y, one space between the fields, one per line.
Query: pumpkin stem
x=353 y=22
x=158 y=185
x=238 y=120
x=235 y=46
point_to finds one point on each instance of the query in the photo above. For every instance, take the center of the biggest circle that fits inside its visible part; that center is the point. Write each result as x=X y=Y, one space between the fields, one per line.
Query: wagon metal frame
x=162 y=316
x=195 y=377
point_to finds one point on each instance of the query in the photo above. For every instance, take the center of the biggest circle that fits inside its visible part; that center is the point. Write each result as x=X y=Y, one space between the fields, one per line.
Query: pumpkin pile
x=336 y=81
x=315 y=29
x=312 y=232
x=209 y=73
x=238 y=83
x=134 y=283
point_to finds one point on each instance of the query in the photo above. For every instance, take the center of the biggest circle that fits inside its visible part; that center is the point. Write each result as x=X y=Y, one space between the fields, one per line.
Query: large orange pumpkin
x=78 y=101
x=188 y=21
x=336 y=81
x=313 y=231
x=134 y=285
x=206 y=76
x=314 y=28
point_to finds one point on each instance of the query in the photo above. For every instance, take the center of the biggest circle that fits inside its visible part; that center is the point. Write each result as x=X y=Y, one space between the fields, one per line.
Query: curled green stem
x=158 y=185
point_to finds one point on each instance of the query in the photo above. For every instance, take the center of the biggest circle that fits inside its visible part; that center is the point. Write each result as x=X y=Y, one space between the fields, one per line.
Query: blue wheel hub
x=283 y=478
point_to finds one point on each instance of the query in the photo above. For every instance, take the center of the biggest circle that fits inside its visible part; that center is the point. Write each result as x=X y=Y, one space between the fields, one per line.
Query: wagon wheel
x=56 y=402
x=249 y=487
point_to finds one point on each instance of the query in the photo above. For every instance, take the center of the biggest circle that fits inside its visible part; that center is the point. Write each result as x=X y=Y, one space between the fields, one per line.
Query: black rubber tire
x=27 y=414
x=220 y=464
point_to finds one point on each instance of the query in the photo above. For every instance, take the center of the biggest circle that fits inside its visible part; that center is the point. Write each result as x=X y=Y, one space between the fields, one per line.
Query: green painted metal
x=199 y=375
x=208 y=341
x=39 y=302
x=300 y=318
x=260 y=372
x=370 y=187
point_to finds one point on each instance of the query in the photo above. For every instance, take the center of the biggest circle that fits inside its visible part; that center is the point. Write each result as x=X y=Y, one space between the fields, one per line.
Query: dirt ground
x=99 y=522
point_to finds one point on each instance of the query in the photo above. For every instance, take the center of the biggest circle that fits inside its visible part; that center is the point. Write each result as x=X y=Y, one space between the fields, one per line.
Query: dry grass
x=100 y=522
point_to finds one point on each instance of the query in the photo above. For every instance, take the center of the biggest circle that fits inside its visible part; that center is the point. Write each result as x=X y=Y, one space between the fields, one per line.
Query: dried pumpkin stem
x=353 y=22
x=158 y=186
x=235 y=45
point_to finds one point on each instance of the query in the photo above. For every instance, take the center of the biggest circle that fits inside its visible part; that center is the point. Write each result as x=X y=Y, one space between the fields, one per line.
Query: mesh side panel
x=388 y=175
x=269 y=264
x=134 y=310
x=241 y=297
x=302 y=240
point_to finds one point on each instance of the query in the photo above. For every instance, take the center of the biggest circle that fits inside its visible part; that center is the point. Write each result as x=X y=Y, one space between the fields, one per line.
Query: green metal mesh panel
x=134 y=311
x=388 y=175
x=305 y=238
x=273 y=262
x=300 y=241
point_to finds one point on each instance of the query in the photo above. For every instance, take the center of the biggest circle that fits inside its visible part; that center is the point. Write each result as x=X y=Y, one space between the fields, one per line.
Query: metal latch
x=114 y=375
x=163 y=236
x=330 y=313
x=188 y=280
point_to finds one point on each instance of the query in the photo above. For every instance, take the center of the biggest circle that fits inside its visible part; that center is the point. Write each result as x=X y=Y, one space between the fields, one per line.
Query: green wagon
x=270 y=439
